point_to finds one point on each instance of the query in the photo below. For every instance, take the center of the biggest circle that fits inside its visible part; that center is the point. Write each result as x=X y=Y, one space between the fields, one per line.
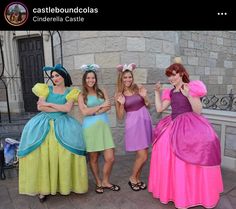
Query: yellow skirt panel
x=51 y=168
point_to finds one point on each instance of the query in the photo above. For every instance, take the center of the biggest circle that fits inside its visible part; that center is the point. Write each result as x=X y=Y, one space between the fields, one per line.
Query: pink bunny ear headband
x=122 y=68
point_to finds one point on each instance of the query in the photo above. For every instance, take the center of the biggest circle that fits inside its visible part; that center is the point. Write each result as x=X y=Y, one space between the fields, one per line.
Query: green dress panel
x=96 y=129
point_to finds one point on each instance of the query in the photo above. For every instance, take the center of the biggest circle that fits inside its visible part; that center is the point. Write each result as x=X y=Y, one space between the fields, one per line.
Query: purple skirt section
x=192 y=137
x=138 y=130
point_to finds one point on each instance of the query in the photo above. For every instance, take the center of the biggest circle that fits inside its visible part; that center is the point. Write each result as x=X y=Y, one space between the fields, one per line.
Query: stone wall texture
x=207 y=55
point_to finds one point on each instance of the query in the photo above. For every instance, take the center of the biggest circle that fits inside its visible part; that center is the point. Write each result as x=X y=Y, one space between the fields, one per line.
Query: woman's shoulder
x=197 y=88
x=73 y=90
x=197 y=82
x=41 y=89
x=166 y=93
x=167 y=90
x=72 y=94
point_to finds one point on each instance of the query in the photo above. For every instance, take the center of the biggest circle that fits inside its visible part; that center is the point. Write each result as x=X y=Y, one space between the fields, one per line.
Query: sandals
x=142 y=185
x=99 y=189
x=134 y=187
x=114 y=187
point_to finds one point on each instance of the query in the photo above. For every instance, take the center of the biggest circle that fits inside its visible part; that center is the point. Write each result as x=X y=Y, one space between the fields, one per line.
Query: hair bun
x=178 y=60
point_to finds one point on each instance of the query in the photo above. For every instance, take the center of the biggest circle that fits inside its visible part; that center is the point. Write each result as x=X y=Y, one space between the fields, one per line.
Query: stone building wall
x=211 y=57
x=208 y=55
x=152 y=52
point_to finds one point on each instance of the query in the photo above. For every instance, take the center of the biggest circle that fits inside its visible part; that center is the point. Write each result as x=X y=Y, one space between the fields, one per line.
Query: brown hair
x=178 y=68
x=120 y=85
x=98 y=91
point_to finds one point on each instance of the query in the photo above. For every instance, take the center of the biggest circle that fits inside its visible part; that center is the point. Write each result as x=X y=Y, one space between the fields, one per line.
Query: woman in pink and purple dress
x=133 y=101
x=185 y=161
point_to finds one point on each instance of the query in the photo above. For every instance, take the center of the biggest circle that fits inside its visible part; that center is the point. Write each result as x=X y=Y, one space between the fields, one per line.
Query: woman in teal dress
x=94 y=103
x=52 y=150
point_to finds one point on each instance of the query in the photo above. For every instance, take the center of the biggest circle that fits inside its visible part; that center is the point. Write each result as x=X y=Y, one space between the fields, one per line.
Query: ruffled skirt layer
x=186 y=184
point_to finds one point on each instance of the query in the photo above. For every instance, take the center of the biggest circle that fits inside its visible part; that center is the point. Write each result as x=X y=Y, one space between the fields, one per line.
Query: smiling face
x=127 y=79
x=90 y=80
x=57 y=79
x=177 y=74
x=175 y=79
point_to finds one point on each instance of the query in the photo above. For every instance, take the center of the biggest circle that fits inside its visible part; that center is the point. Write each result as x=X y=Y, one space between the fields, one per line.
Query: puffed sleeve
x=197 y=88
x=41 y=90
x=73 y=95
x=165 y=94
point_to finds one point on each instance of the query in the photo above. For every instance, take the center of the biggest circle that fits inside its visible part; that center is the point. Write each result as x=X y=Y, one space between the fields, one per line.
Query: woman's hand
x=142 y=92
x=120 y=98
x=185 y=89
x=119 y=102
x=106 y=103
x=44 y=106
x=158 y=87
x=42 y=103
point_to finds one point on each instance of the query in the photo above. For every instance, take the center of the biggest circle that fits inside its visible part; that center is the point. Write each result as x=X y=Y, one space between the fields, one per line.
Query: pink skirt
x=187 y=185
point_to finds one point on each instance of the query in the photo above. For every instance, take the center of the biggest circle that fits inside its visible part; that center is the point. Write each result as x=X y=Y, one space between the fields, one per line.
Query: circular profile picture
x=16 y=13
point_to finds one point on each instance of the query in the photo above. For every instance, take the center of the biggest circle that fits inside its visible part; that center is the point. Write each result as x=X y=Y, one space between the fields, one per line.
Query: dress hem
x=185 y=207
x=100 y=150
x=133 y=150
x=25 y=193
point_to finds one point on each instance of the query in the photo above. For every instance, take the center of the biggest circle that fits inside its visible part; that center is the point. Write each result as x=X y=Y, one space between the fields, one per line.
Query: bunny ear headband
x=93 y=67
x=56 y=67
x=122 y=68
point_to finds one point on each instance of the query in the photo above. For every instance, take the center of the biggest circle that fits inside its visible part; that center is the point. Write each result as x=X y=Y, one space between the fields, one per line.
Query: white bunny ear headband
x=93 y=67
x=122 y=68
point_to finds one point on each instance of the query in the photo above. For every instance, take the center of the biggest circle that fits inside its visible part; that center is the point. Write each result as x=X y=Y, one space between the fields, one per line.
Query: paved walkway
x=124 y=199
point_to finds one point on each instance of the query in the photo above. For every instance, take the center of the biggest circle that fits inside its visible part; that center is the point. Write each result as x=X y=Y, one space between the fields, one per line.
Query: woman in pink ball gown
x=185 y=161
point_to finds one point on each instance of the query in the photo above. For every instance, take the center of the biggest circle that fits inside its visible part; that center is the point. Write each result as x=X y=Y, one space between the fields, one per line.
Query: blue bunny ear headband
x=93 y=67
x=56 y=67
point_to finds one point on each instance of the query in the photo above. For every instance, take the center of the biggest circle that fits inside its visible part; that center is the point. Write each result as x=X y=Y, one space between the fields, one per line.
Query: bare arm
x=62 y=108
x=91 y=110
x=43 y=108
x=196 y=104
x=58 y=107
x=143 y=94
x=120 y=101
x=160 y=105
x=105 y=108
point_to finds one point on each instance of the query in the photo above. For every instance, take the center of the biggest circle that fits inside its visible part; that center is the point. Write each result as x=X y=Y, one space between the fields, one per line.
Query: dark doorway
x=31 y=59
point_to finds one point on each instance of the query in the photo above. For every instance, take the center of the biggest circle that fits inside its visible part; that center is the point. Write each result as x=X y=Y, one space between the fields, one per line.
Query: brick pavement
x=124 y=199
